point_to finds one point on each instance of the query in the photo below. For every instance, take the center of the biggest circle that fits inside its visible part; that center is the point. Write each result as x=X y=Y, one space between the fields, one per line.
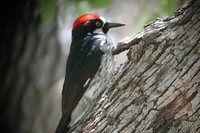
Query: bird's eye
x=98 y=24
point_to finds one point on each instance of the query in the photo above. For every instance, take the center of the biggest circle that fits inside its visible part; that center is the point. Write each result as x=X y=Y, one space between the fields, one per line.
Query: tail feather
x=63 y=124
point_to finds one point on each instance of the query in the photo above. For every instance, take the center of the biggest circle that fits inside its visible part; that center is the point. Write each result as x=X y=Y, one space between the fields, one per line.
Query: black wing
x=83 y=62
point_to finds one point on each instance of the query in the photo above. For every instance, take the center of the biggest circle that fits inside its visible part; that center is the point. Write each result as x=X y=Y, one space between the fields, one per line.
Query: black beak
x=113 y=25
x=108 y=25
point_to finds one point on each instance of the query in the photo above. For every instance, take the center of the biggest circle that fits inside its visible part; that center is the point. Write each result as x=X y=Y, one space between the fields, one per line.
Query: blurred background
x=35 y=42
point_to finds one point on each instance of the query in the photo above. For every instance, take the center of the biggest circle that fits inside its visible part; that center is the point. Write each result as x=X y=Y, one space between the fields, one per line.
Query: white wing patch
x=86 y=83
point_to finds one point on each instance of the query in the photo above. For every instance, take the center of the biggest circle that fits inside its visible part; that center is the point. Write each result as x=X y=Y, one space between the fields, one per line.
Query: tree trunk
x=30 y=65
x=158 y=88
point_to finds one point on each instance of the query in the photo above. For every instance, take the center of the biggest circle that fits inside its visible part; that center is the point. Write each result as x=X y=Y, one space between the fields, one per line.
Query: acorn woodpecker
x=88 y=70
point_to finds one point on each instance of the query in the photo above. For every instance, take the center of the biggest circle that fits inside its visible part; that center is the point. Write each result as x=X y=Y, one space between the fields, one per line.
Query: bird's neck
x=80 y=32
x=83 y=31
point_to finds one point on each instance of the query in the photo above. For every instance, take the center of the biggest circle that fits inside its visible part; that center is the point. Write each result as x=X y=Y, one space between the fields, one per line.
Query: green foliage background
x=48 y=8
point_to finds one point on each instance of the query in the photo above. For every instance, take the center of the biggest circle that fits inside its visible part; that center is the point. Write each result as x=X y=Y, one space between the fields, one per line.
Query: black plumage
x=89 y=63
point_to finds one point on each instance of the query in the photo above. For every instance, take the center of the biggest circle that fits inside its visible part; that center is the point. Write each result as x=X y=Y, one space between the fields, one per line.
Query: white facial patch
x=99 y=30
x=103 y=19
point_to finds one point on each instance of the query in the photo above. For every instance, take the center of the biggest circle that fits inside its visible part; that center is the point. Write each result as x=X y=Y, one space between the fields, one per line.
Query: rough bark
x=158 y=88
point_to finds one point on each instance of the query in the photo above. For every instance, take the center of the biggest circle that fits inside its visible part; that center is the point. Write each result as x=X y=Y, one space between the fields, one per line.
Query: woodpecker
x=89 y=68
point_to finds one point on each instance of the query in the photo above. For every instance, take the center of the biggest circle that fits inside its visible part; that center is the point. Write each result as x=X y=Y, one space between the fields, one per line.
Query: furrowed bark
x=158 y=89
